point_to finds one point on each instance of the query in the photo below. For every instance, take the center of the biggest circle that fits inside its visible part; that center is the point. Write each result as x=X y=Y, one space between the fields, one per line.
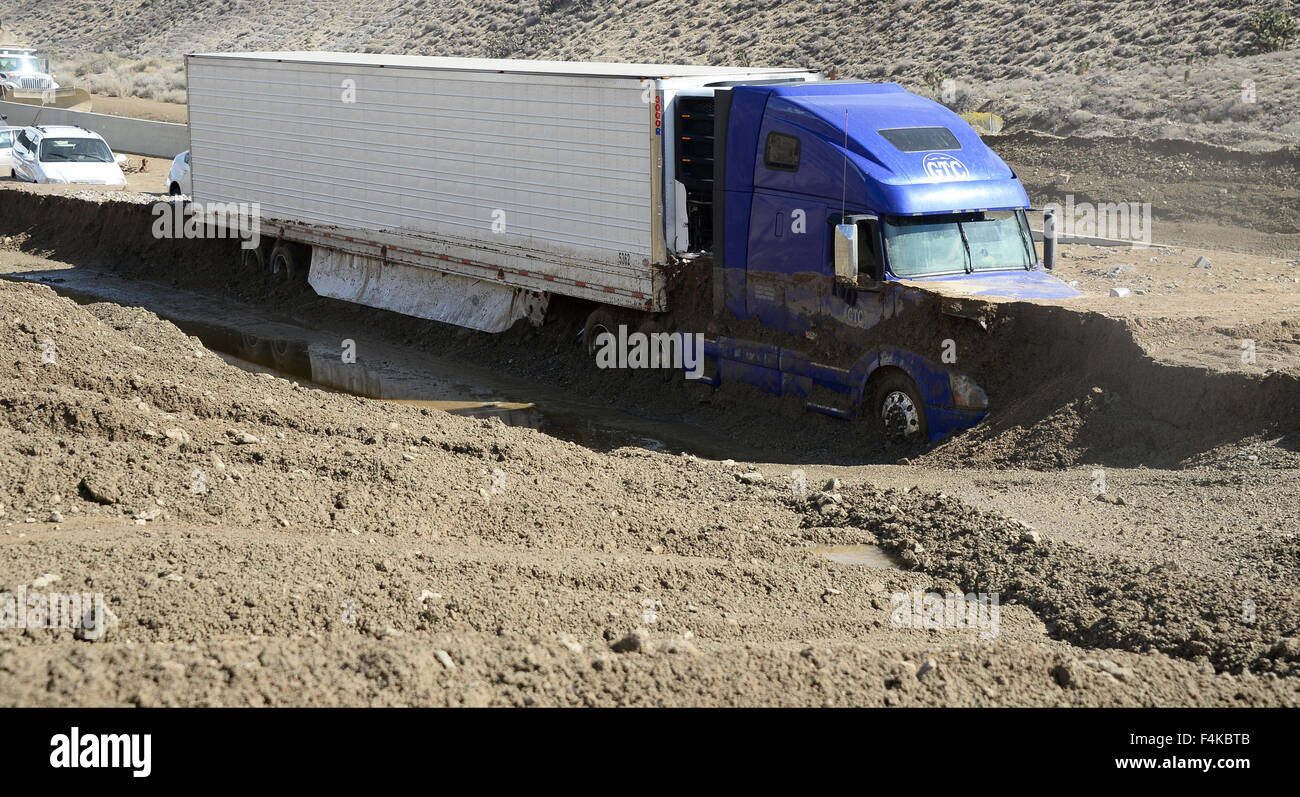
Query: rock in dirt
x=753 y=477
x=1066 y=675
x=636 y=642
x=100 y=490
x=1286 y=648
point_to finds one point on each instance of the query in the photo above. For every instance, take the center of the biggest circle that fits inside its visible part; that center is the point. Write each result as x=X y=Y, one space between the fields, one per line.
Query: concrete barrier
x=137 y=136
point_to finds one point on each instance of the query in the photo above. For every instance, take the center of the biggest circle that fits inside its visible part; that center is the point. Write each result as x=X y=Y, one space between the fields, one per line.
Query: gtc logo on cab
x=944 y=167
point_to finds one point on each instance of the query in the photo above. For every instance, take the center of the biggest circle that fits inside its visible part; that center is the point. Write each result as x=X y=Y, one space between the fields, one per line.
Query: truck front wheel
x=898 y=409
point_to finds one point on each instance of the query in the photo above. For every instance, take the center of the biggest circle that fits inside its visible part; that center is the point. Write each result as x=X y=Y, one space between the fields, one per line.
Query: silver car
x=7 y=150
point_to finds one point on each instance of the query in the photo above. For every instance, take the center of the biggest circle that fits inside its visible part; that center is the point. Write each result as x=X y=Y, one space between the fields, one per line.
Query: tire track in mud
x=1246 y=621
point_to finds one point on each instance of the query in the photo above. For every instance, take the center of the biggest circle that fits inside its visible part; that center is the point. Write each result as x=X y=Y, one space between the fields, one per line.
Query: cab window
x=781 y=152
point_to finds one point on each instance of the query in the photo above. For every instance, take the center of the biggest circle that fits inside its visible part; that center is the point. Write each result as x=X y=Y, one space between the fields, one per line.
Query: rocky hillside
x=1097 y=67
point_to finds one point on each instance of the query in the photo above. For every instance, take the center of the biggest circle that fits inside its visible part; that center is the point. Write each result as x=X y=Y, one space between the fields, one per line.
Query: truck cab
x=839 y=206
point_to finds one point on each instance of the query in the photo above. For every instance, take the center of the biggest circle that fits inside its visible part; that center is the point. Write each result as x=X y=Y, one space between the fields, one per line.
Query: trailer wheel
x=598 y=322
x=898 y=409
x=252 y=259
x=285 y=263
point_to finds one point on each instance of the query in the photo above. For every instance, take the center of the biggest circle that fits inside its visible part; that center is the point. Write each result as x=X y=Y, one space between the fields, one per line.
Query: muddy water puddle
x=364 y=365
x=862 y=555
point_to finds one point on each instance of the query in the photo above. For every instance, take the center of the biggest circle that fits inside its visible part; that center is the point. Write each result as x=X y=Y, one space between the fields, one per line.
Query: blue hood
x=971 y=177
x=1013 y=284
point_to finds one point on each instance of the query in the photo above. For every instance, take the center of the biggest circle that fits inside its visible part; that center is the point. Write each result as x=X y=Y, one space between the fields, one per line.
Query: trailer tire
x=600 y=320
x=285 y=263
x=252 y=259
x=898 y=410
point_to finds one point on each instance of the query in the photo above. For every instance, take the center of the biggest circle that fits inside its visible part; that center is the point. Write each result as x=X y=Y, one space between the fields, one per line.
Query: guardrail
x=123 y=134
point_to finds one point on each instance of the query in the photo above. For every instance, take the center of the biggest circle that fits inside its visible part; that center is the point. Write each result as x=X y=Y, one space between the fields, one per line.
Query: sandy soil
x=357 y=553
x=140 y=108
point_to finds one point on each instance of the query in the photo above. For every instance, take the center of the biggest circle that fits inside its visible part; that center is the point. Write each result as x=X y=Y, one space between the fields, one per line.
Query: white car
x=65 y=154
x=178 y=179
x=7 y=135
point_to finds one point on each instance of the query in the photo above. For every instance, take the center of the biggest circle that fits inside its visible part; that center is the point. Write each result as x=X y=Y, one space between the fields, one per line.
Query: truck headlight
x=966 y=394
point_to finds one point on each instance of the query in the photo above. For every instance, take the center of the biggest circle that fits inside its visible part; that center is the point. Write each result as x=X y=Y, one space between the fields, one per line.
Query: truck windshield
x=983 y=241
x=19 y=65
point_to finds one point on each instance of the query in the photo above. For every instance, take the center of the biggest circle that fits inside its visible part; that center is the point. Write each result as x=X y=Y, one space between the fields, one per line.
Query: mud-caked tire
x=897 y=410
x=600 y=320
x=253 y=259
x=287 y=263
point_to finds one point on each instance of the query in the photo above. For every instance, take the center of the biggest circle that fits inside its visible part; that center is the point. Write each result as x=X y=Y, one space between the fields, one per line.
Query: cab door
x=863 y=304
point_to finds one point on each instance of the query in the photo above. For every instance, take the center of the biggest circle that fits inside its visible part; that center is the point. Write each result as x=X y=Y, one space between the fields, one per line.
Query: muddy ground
x=264 y=542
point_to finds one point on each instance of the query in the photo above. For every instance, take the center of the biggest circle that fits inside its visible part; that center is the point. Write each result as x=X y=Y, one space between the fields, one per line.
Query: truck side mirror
x=1049 y=239
x=846 y=251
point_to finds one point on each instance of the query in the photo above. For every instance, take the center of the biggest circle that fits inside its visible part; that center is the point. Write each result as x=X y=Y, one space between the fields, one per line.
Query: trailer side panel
x=544 y=174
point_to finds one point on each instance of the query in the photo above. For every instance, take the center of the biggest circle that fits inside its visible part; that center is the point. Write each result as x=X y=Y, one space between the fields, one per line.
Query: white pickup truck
x=24 y=78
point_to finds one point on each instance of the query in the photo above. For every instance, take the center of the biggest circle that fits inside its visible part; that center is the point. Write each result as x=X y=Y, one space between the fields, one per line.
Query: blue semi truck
x=841 y=206
x=832 y=226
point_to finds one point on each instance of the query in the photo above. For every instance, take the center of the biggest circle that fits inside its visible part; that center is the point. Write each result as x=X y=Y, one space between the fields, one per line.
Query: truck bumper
x=942 y=421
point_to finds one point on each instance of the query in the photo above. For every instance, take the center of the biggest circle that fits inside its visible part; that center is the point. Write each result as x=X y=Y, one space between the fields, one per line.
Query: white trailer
x=456 y=189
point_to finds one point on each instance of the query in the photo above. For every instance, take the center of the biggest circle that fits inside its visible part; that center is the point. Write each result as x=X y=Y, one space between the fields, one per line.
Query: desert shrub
x=501 y=46
x=114 y=76
x=1271 y=30
x=934 y=78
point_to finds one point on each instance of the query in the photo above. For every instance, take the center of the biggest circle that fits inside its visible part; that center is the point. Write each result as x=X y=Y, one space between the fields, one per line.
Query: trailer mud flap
x=423 y=293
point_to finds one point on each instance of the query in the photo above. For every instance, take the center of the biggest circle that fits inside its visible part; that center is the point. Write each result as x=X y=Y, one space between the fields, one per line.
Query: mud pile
x=1092 y=600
